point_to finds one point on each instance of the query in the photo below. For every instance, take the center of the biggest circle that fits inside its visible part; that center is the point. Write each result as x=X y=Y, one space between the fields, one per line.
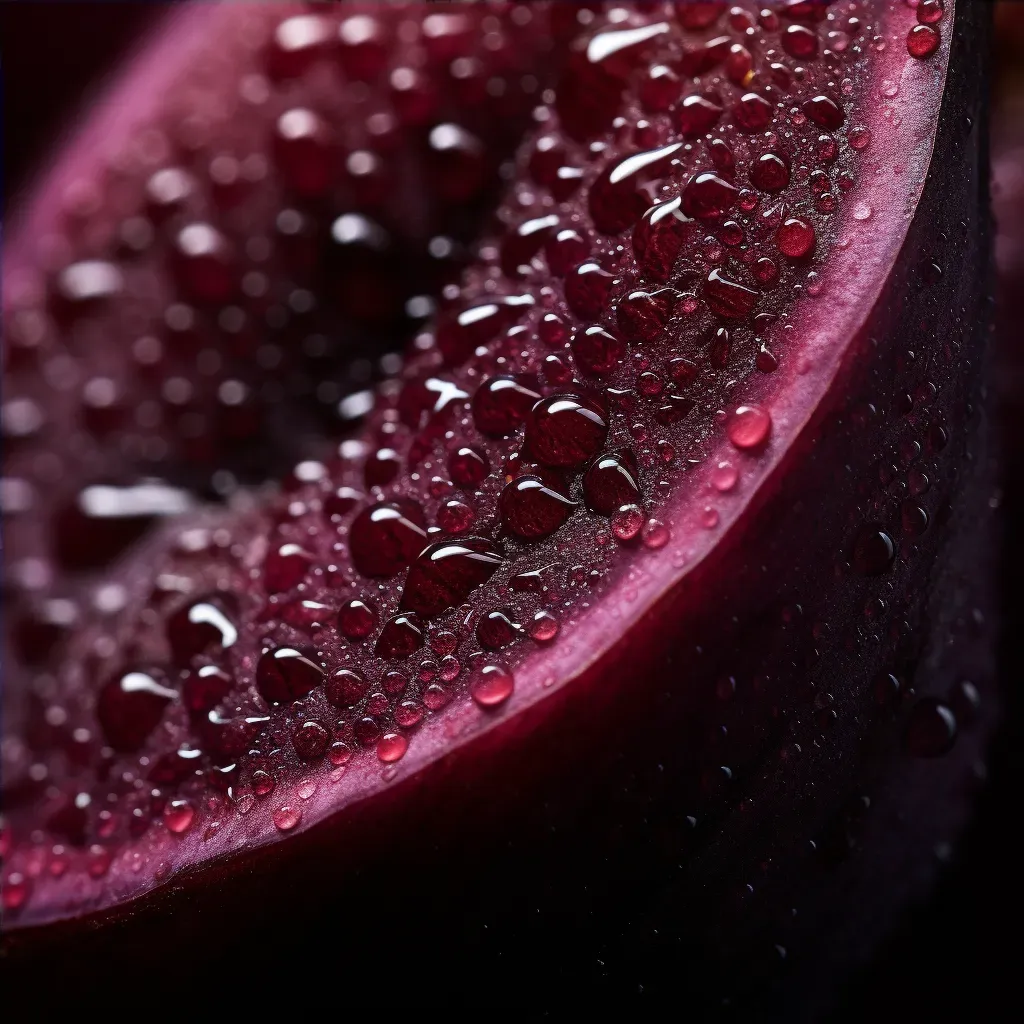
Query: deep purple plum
x=671 y=547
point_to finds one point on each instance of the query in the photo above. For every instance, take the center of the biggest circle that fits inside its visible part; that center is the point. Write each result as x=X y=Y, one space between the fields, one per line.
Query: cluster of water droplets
x=216 y=298
x=679 y=193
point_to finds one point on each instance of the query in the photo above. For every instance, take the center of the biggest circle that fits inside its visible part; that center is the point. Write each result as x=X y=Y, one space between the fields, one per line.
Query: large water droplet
x=748 y=427
x=447 y=572
x=491 y=685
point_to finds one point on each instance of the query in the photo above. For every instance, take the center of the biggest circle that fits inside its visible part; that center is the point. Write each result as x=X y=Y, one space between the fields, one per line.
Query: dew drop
x=565 y=430
x=496 y=630
x=468 y=467
x=724 y=477
x=795 y=238
x=287 y=674
x=611 y=481
x=401 y=636
x=386 y=538
x=391 y=747
x=201 y=627
x=130 y=707
x=178 y=815
x=356 y=619
x=748 y=427
x=769 y=173
x=491 y=685
x=873 y=552
x=339 y=754
x=447 y=572
x=310 y=741
x=501 y=404
x=626 y=521
x=286 y=817
x=532 y=510
x=655 y=534
x=597 y=352
x=544 y=627
x=923 y=41
x=285 y=567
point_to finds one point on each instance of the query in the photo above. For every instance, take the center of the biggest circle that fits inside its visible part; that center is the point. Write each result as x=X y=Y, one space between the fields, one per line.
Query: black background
x=953 y=957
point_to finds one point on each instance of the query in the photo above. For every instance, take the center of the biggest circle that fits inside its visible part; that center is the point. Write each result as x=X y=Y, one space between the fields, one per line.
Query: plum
x=653 y=589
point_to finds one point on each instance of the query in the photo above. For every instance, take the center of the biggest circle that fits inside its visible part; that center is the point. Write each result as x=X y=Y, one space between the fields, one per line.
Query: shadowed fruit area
x=681 y=484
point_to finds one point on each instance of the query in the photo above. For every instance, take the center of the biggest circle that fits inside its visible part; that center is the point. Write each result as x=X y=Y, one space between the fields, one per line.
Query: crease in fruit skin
x=564 y=657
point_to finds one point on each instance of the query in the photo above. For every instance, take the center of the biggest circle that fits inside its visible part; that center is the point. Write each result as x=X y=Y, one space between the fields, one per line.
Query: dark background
x=952 y=958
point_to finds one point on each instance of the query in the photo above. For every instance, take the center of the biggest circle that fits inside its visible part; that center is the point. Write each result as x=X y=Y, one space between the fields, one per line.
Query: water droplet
x=655 y=534
x=659 y=236
x=459 y=334
x=285 y=567
x=491 y=685
x=796 y=238
x=748 y=427
x=642 y=316
x=446 y=573
x=752 y=113
x=923 y=41
x=340 y=753
x=597 y=352
x=130 y=706
x=565 y=430
x=616 y=201
x=611 y=481
x=392 y=747
x=769 y=173
x=501 y=404
x=201 y=627
x=728 y=298
x=286 y=817
x=531 y=510
x=627 y=521
x=544 y=627
x=287 y=674
x=356 y=619
x=873 y=552
x=401 y=636
x=824 y=112
x=708 y=197
x=724 y=477
x=468 y=467
x=178 y=815
x=310 y=741
x=385 y=538
x=931 y=729
x=588 y=288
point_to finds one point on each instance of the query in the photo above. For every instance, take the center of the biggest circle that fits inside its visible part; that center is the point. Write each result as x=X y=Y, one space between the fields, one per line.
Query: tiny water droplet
x=626 y=521
x=286 y=817
x=724 y=477
x=655 y=534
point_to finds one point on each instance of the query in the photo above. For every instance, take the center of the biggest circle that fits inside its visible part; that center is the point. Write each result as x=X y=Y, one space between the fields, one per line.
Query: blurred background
x=951 y=957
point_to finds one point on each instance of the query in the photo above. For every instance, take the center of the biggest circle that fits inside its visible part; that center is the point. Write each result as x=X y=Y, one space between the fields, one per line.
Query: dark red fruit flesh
x=727 y=679
x=207 y=283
